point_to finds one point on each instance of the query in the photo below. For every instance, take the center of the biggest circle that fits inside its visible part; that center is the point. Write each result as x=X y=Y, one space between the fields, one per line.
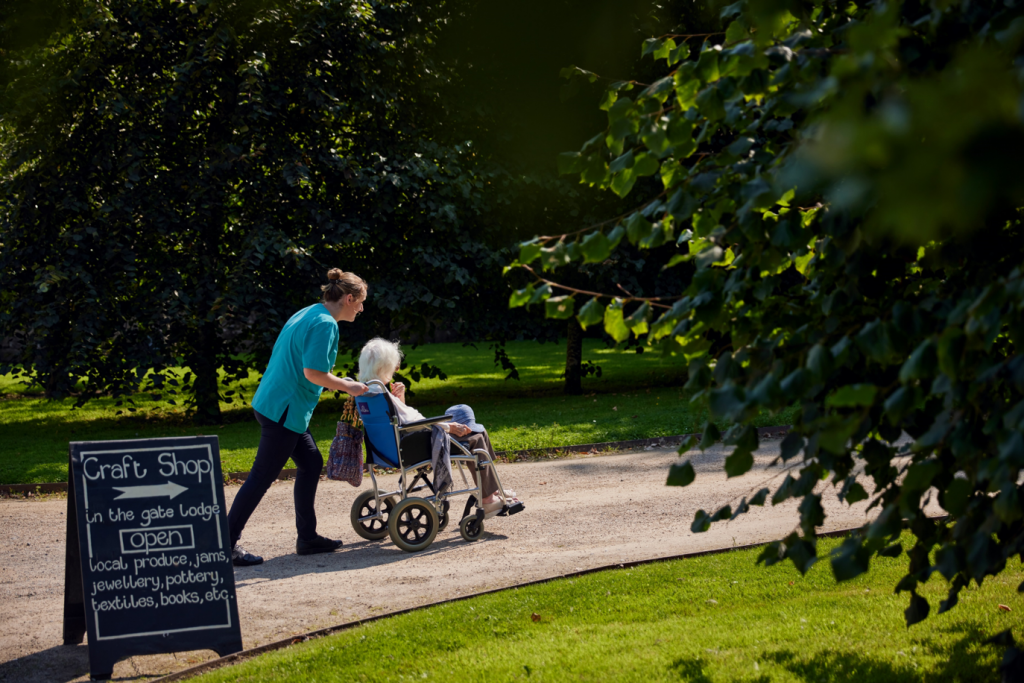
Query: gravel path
x=581 y=513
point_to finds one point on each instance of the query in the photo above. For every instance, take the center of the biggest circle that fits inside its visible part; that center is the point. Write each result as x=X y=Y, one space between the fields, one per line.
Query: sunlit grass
x=707 y=619
x=637 y=396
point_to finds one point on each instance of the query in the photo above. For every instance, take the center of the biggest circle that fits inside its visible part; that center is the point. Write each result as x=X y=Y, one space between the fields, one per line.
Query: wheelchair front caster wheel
x=413 y=524
x=471 y=528
x=364 y=506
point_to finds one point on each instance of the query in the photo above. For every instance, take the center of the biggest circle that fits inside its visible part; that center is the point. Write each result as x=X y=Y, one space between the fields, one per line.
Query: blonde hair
x=340 y=284
x=378 y=360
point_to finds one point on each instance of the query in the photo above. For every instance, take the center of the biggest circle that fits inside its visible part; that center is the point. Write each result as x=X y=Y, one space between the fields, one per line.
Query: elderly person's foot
x=510 y=496
x=494 y=507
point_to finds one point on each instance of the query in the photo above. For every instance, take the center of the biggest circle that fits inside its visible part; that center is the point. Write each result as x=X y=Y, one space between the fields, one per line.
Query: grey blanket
x=440 y=459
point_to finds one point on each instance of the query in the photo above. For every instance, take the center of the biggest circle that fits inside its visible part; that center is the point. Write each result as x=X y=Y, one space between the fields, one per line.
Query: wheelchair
x=414 y=513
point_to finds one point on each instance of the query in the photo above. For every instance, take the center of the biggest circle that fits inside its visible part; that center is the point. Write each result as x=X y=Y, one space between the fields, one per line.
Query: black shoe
x=240 y=558
x=316 y=545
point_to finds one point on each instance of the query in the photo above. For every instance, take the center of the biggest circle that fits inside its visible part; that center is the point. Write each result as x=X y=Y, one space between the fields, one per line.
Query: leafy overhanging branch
x=890 y=305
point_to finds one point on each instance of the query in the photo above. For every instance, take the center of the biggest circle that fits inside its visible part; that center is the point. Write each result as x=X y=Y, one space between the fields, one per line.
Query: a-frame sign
x=148 y=562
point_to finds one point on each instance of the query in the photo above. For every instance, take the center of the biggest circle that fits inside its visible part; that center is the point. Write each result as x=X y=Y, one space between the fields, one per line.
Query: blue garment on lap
x=308 y=340
x=440 y=459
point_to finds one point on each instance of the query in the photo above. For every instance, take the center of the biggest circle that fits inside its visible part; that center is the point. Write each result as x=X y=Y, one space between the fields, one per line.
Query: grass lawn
x=638 y=396
x=708 y=619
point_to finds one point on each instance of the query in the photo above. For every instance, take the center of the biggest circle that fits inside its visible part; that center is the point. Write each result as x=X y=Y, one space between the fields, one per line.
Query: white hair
x=378 y=360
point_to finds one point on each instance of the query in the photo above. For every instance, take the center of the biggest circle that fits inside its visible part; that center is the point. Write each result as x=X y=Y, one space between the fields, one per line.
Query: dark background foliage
x=179 y=176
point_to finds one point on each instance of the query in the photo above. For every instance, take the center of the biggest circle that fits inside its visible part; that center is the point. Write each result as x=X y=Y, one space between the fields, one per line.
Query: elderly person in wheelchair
x=398 y=437
x=379 y=360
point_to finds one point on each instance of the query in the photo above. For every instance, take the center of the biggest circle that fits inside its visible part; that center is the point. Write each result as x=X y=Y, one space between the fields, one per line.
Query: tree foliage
x=177 y=176
x=839 y=182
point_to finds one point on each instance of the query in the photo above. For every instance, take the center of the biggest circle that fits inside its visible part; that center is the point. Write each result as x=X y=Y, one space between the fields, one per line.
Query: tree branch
x=650 y=299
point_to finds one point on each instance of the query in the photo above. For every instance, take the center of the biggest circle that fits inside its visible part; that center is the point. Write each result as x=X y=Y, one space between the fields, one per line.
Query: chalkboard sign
x=148 y=563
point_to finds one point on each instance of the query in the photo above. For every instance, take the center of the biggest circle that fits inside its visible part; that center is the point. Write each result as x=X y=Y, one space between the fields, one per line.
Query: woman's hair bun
x=340 y=284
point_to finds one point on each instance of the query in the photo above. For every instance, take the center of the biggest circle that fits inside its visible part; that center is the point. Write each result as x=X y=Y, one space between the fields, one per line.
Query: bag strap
x=373 y=449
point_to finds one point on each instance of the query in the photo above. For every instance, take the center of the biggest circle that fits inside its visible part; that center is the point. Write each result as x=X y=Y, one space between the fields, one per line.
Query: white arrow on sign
x=170 y=489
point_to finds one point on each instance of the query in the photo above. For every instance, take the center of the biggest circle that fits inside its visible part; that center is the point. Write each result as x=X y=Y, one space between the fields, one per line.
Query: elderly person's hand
x=456 y=429
x=398 y=391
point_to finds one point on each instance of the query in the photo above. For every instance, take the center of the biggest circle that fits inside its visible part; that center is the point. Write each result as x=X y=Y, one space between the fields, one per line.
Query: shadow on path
x=353 y=557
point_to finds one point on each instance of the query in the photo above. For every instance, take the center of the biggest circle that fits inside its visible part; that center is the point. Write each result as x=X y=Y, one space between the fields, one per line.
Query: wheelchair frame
x=471 y=525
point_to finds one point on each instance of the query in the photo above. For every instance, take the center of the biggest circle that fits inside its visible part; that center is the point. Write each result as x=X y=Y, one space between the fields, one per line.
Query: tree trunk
x=210 y=283
x=573 y=358
x=204 y=365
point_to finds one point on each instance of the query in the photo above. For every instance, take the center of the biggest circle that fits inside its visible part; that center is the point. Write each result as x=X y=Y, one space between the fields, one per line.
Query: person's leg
x=276 y=445
x=488 y=482
x=309 y=463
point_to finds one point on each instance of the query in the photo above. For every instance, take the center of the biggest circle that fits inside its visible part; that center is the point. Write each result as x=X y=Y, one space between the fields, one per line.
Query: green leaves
x=622 y=163
x=528 y=251
x=821 y=362
x=738 y=462
x=701 y=522
x=595 y=247
x=559 y=307
x=741 y=459
x=637 y=228
x=854 y=493
x=709 y=101
x=623 y=182
x=852 y=270
x=637 y=320
x=726 y=403
x=681 y=475
x=614 y=324
x=852 y=396
x=956 y=496
x=521 y=297
x=851 y=559
x=707 y=64
x=591 y=313
x=922 y=362
x=529 y=295
x=875 y=342
x=570 y=162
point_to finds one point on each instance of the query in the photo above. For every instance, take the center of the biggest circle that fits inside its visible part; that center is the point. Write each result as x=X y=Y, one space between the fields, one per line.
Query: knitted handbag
x=345 y=459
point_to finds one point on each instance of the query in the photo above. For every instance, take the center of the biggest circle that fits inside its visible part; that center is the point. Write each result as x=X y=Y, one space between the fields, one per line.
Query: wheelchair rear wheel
x=413 y=524
x=471 y=528
x=366 y=505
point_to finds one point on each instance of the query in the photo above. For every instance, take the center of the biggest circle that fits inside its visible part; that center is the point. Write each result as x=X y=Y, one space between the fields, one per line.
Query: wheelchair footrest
x=513 y=509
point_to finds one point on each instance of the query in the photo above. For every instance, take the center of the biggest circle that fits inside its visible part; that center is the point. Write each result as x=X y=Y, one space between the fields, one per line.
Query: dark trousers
x=277 y=444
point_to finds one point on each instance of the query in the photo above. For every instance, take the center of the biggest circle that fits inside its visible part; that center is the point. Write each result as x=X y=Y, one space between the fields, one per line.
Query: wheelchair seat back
x=375 y=412
x=415 y=448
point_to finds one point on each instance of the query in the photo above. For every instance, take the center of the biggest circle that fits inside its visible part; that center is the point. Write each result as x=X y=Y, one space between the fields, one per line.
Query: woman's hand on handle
x=333 y=383
x=354 y=388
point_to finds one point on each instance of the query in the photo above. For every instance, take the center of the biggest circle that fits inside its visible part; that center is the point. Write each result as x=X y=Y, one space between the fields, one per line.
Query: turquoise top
x=308 y=340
